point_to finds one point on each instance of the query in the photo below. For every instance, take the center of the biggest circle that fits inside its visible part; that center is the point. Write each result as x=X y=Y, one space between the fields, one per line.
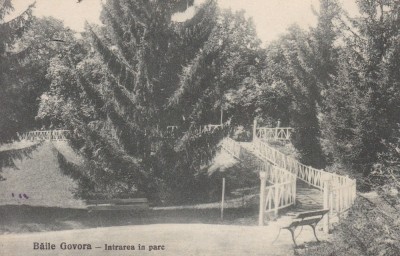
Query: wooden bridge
x=292 y=181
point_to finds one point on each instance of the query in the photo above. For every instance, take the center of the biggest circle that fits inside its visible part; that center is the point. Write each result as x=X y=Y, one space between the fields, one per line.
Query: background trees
x=302 y=63
x=363 y=99
x=118 y=86
x=216 y=77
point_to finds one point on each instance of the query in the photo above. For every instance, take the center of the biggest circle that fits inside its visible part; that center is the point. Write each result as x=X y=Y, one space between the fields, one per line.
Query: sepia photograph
x=200 y=127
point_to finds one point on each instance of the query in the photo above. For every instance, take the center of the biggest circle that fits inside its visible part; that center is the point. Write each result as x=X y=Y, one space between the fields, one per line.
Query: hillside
x=38 y=181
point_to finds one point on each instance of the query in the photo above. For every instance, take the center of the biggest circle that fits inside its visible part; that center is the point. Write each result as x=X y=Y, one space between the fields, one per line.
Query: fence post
x=222 y=116
x=223 y=199
x=326 y=186
x=254 y=129
x=263 y=182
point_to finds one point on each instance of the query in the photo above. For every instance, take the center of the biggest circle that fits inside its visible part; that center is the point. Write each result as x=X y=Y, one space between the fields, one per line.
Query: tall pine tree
x=123 y=84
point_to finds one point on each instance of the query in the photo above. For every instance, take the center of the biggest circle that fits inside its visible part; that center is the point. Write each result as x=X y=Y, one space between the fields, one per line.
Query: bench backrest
x=304 y=215
x=308 y=218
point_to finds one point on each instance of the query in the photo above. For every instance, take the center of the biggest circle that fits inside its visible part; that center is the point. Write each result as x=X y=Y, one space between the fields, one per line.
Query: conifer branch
x=119 y=68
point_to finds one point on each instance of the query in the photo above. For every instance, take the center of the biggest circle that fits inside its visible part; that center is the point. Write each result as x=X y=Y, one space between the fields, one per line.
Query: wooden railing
x=341 y=189
x=306 y=173
x=342 y=193
x=282 y=193
x=173 y=130
x=232 y=147
x=275 y=174
x=279 y=196
x=278 y=133
x=45 y=135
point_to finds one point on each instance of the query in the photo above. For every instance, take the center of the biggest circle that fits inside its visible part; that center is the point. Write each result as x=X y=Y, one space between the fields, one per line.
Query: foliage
x=11 y=153
x=120 y=85
x=223 y=70
x=385 y=175
x=287 y=63
x=42 y=41
x=371 y=228
x=79 y=174
x=363 y=98
x=113 y=97
x=10 y=31
x=11 y=103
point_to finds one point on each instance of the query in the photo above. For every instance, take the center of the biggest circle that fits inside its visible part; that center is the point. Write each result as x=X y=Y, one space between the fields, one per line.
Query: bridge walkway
x=308 y=198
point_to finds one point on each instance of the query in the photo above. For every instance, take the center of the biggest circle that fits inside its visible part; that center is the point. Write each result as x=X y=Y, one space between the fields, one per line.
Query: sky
x=271 y=17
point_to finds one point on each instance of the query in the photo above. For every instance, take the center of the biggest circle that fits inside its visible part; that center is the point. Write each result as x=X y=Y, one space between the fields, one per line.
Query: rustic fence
x=232 y=147
x=45 y=135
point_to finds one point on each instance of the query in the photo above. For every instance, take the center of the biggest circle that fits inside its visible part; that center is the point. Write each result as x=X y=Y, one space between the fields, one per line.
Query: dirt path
x=177 y=239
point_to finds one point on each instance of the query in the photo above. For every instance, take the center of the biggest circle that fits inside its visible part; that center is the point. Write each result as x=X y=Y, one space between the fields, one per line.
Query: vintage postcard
x=199 y=127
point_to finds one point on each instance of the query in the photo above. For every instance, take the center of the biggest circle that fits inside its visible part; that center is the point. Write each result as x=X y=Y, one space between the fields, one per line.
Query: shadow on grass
x=23 y=218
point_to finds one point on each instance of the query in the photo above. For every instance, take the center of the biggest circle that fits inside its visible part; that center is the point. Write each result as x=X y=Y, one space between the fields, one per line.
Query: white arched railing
x=45 y=135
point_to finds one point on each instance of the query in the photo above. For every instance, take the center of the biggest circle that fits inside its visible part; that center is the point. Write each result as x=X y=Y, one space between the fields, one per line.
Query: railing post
x=223 y=199
x=263 y=182
x=276 y=200
x=254 y=129
x=294 y=190
x=326 y=187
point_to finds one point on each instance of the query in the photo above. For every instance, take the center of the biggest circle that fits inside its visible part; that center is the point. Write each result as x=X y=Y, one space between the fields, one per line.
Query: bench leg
x=292 y=232
x=277 y=236
x=315 y=234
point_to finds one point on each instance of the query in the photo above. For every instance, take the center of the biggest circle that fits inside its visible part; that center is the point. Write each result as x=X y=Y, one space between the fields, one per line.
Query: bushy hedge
x=372 y=228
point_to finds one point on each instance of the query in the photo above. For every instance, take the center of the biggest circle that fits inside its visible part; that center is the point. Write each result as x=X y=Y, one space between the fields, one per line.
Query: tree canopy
x=121 y=85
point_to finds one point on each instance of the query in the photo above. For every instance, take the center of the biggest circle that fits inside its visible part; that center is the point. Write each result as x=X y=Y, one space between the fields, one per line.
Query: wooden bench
x=117 y=204
x=311 y=218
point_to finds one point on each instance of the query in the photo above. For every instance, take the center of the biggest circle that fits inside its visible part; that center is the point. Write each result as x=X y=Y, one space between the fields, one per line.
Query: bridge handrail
x=45 y=135
x=343 y=192
x=277 y=133
x=172 y=130
x=63 y=134
x=280 y=195
x=232 y=147
x=275 y=174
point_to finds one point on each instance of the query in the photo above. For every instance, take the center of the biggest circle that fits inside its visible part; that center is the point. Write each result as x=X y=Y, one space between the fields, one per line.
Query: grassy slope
x=40 y=179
